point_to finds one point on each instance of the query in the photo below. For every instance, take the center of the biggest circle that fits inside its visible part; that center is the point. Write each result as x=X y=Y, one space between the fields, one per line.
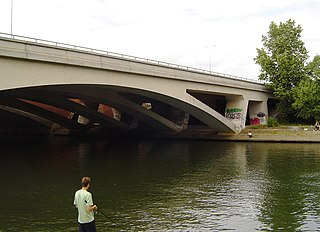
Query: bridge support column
x=83 y=120
x=258 y=112
x=179 y=117
x=236 y=110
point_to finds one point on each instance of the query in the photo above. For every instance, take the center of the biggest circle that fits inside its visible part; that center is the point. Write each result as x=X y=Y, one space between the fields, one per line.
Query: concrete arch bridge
x=56 y=88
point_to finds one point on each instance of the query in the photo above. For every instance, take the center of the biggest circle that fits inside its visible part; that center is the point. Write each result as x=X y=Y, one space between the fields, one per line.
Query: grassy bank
x=291 y=134
x=282 y=130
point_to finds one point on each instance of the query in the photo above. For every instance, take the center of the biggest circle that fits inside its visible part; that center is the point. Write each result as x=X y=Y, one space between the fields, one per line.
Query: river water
x=160 y=185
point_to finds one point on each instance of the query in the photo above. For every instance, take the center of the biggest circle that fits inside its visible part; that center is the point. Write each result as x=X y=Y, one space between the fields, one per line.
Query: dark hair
x=85 y=181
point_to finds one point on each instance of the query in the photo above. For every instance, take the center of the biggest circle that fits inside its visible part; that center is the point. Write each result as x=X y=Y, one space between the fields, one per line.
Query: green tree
x=313 y=68
x=307 y=94
x=283 y=60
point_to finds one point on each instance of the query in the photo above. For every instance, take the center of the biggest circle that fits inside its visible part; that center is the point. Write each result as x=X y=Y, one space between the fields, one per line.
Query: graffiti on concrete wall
x=258 y=119
x=234 y=113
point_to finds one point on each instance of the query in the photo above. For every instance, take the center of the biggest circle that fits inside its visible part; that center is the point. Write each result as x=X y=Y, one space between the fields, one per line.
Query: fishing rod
x=108 y=218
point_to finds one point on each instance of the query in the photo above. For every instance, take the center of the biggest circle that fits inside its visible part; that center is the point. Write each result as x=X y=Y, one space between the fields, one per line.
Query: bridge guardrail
x=123 y=56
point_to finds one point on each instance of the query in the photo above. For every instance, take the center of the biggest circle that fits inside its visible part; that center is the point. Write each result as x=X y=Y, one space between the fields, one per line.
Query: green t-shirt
x=82 y=200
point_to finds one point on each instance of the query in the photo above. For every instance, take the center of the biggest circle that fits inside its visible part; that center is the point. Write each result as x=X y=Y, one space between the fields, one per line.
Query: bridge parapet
x=114 y=55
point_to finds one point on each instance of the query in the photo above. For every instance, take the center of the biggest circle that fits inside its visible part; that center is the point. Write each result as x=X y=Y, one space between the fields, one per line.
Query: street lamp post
x=11 y=16
x=210 y=53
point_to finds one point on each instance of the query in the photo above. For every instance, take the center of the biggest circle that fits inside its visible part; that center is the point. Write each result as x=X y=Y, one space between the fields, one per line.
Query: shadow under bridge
x=105 y=109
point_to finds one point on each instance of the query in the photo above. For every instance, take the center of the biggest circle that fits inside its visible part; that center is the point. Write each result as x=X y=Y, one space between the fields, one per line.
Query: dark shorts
x=87 y=227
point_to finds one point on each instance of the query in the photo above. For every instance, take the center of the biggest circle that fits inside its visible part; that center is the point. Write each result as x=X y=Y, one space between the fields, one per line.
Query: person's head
x=85 y=181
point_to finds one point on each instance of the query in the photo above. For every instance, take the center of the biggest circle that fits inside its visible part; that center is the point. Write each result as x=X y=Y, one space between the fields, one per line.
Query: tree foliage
x=307 y=94
x=283 y=62
x=313 y=68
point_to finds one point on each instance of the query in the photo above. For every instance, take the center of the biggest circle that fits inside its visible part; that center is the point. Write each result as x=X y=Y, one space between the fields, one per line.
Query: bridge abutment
x=236 y=110
x=258 y=112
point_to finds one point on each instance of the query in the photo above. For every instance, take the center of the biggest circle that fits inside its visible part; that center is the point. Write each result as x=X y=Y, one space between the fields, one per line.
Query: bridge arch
x=36 y=102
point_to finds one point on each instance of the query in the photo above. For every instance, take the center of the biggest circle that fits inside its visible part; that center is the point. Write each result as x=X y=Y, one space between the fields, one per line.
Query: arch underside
x=102 y=109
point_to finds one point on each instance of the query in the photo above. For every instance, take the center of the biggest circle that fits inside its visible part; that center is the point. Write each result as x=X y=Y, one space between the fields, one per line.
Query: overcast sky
x=193 y=33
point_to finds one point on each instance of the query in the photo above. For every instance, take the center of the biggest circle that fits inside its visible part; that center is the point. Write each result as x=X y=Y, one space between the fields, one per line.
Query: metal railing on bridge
x=123 y=56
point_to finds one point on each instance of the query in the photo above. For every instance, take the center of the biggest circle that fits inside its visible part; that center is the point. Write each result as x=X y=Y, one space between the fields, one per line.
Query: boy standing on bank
x=83 y=201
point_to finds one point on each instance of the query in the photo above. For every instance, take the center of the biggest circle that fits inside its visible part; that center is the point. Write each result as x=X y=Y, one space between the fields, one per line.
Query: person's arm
x=92 y=208
x=74 y=201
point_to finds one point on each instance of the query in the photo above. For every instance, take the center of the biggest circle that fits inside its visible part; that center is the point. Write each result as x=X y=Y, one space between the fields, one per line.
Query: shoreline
x=283 y=134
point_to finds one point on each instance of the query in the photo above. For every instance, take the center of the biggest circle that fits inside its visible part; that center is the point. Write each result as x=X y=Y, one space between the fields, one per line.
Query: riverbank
x=291 y=134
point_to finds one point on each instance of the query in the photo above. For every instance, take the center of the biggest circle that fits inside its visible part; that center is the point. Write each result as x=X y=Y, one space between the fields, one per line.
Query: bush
x=272 y=122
